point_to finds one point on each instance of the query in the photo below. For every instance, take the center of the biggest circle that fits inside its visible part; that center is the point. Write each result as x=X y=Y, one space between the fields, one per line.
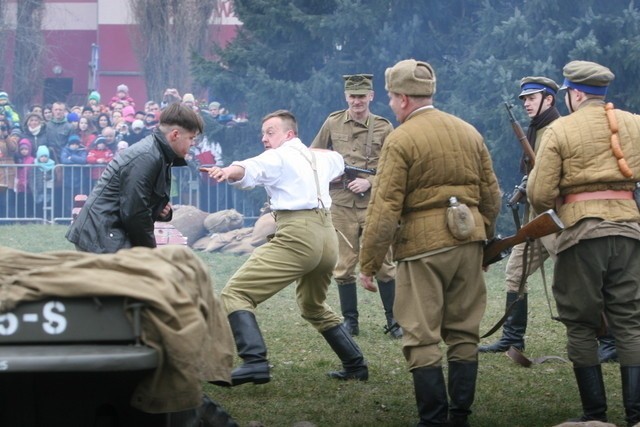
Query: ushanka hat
x=411 y=77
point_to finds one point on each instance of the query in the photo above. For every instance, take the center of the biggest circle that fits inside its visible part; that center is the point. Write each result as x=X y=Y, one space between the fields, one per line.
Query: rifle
x=526 y=146
x=542 y=225
x=518 y=194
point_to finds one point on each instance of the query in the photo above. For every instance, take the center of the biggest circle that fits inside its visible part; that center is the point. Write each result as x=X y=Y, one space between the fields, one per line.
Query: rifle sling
x=370 y=125
x=518 y=357
x=527 y=257
x=513 y=353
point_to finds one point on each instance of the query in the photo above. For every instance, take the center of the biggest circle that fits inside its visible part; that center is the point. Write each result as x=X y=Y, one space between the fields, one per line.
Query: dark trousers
x=600 y=276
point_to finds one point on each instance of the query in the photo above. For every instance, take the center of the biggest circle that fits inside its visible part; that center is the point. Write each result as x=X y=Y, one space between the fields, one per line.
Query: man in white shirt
x=304 y=248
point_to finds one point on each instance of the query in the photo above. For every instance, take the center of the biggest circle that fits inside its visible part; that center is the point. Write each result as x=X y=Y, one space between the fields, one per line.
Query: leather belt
x=338 y=185
x=599 y=195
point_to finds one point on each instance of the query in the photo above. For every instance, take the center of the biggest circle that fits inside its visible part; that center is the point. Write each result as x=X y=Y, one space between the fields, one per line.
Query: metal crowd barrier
x=48 y=196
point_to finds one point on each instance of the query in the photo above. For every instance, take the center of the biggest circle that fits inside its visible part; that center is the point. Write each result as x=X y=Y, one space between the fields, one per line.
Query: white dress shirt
x=287 y=175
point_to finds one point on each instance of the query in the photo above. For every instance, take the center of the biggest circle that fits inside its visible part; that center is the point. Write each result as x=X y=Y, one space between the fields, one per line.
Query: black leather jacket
x=128 y=199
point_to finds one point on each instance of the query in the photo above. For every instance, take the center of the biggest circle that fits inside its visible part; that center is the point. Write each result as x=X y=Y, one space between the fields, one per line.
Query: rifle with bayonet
x=542 y=225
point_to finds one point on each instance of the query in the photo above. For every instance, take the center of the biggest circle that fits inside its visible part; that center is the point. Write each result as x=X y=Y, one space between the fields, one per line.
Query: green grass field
x=507 y=394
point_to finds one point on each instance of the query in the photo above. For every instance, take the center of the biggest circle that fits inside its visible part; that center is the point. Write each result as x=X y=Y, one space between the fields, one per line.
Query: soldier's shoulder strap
x=337 y=113
x=377 y=117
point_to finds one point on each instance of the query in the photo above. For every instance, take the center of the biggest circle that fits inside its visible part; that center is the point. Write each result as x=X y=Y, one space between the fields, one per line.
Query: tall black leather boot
x=388 y=295
x=631 y=393
x=462 y=389
x=514 y=327
x=251 y=348
x=592 y=394
x=431 y=396
x=349 y=305
x=355 y=367
x=607 y=348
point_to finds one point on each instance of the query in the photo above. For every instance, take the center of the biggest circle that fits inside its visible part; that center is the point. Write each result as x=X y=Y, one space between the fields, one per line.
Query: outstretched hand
x=215 y=173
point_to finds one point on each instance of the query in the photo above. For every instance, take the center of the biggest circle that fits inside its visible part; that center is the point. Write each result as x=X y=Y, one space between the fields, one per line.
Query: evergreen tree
x=292 y=53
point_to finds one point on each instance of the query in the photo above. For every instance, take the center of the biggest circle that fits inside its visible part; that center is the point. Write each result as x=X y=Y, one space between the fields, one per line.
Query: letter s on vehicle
x=55 y=323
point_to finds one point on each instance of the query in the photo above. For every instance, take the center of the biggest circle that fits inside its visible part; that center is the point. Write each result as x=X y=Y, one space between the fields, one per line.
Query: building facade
x=88 y=45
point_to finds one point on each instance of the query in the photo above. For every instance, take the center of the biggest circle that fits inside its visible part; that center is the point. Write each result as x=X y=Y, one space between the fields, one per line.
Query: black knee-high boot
x=592 y=393
x=462 y=389
x=251 y=348
x=631 y=393
x=431 y=395
x=341 y=342
x=349 y=306
x=387 y=295
x=514 y=327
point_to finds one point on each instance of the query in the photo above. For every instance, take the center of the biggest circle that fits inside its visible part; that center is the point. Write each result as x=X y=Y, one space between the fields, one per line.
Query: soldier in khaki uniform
x=431 y=158
x=538 y=95
x=586 y=168
x=358 y=135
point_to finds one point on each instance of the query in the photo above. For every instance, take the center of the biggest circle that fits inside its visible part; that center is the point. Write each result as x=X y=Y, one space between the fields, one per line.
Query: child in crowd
x=24 y=180
x=73 y=118
x=93 y=99
x=86 y=131
x=9 y=109
x=99 y=154
x=74 y=157
x=43 y=181
x=122 y=95
x=73 y=153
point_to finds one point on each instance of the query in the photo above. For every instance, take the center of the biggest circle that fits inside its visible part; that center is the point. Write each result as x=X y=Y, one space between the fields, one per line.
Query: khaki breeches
x=303 y=250
x=441 y=297
x=350 y=222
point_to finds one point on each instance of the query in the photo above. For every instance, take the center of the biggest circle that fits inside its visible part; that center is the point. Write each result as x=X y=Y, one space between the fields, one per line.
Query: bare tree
x=29 y=47
x=3 y=37
x=168 y=33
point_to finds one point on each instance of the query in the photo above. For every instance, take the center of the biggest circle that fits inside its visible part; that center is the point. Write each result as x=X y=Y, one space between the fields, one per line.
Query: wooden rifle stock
x=544 y=224
x=522 y=138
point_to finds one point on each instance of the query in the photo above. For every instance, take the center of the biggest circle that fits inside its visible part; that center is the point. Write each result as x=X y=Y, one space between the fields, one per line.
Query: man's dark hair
x=288 y=119
x=177 y=114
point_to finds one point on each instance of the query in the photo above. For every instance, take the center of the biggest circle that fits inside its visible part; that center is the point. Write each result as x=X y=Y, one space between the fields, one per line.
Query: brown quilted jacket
x=429 y=158
x=575 y=156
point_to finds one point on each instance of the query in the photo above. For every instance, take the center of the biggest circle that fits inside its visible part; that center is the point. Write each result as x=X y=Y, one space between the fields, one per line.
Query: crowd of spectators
x=80 y=135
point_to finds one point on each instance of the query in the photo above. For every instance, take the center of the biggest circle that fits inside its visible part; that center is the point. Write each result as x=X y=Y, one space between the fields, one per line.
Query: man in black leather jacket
x=134 y=190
